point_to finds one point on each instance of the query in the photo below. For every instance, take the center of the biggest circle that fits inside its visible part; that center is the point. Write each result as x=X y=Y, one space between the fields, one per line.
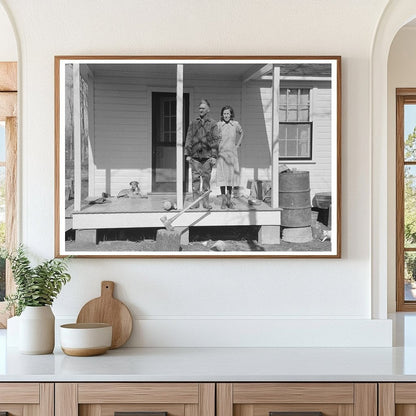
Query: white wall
x=212 y=302
x=401 y=74
x=8 y=45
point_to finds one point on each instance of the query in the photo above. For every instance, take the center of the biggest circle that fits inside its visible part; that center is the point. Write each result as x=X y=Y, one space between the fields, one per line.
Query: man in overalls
x=201 y=150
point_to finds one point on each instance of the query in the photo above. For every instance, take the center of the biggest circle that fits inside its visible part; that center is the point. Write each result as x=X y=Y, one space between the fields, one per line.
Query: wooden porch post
x=77 y=137
x=275 y=136
x=179 y=136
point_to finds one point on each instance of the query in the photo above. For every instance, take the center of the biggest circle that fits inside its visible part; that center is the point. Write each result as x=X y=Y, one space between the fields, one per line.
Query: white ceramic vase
x=37 y=330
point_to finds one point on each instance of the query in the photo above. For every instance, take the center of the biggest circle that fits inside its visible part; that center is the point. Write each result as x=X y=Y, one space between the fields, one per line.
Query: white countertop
x=215 y=364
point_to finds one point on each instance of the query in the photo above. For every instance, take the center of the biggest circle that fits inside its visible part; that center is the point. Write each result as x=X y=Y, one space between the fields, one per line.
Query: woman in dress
x=228 y=168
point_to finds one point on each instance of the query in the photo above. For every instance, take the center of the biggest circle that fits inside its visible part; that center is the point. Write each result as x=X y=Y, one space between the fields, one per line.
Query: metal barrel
x=295 y=199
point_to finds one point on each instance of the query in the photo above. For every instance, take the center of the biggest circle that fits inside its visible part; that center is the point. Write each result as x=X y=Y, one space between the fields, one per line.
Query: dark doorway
x=164 y=141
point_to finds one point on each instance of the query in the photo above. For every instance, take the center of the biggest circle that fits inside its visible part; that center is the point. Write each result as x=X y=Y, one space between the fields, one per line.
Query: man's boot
x=223 y=201
x=195 y=195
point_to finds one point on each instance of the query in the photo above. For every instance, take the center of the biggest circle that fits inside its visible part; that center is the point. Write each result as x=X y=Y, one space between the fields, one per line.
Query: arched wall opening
x=391 y=28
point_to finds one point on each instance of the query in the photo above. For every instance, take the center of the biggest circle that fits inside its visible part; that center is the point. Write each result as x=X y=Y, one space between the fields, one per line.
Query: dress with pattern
x=228 y=168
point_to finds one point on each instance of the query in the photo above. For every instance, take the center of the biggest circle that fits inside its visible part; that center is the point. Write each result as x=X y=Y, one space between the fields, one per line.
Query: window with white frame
x=295 y=131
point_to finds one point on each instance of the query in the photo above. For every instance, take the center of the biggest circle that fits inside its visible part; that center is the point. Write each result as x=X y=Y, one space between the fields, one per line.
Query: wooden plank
x=246 y=410
x=345 y=410
x=405 y=393
x=90 y=410
x=47 y=399
x=77 y=136
x=8 y=76
x=207 y=399
x=405 y=91
x=399 y=204
x=138 y=393
x=340 y=393
x=275 y=136
x=8 y=105
x=191 y=410
x=224 y=399
x=405 y=410
x=365 y=399
x=11 y=195
x=66 y=399
x=23 y=393
x=386 y=399
x=11 y=208
x=30 y=410
x=179 y=136
x=152 y=219
x=256 y=73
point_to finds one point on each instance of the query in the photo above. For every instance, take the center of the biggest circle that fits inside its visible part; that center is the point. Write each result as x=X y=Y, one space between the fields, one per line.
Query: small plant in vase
x=36 y=289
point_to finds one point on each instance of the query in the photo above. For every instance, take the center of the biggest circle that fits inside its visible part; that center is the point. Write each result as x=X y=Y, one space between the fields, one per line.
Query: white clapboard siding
x=123 y=142
x=257 y=121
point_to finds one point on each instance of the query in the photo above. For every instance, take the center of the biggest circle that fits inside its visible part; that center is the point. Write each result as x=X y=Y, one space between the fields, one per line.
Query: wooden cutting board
x=108 y=310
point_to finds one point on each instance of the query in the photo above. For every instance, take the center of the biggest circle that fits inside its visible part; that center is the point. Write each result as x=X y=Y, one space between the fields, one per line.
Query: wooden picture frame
x=128 y=165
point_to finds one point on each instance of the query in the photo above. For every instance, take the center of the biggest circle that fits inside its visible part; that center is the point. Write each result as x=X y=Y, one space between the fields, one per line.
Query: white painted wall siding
x=123 y=135
x=257 y=124
x=123 y=124
x=123 y=128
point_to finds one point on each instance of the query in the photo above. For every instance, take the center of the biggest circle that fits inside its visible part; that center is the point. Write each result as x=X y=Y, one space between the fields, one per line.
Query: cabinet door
x=142 y=399
x=397 y=399
x=297 y=399
x=26 y=399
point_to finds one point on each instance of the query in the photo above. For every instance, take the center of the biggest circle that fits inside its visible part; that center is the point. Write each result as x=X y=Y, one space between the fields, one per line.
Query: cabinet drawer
x=296 y=399
x=21 y=399
x=146 y=399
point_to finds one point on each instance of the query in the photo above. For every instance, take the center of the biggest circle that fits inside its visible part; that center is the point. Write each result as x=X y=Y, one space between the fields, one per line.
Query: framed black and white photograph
x=198 y=156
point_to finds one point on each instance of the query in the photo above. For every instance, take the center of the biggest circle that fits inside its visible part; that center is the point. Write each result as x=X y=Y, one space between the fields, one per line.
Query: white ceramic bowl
x=83 y=340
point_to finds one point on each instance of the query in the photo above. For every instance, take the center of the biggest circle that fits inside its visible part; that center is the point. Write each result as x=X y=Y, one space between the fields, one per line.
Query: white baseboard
x=255 y=332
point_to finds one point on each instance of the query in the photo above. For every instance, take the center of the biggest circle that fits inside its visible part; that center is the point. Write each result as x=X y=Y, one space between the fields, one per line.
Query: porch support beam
x=179 y=137
x=275 y=136
x=77 y=136
x=257 y=73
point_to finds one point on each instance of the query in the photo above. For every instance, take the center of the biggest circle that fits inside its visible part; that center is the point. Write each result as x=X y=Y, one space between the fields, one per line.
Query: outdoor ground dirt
x=230 y=245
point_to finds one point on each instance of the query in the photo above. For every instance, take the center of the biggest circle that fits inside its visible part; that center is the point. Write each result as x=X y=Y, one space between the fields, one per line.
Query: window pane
x=409 y=275
x=303 y=114
x=292 y=146
x=293 y=96
x=304 y=150
x=410 y=206
x=410 y=132
x=295 y=140
x=304 y=96
x=292 y=114
x=283 y=98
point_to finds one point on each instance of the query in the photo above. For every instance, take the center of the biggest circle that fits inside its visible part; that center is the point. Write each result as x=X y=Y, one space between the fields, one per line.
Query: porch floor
x=154 y=203
x=147 y=212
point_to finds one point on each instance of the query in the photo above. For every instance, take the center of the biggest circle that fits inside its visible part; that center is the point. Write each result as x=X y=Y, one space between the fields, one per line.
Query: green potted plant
x=36 y=289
